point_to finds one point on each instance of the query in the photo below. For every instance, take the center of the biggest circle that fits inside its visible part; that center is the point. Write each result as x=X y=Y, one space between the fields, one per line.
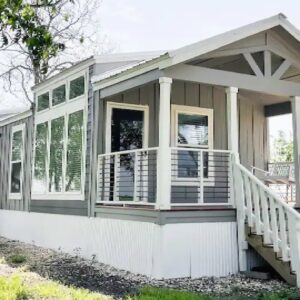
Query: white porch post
x=295 y=101
x=232 y=120
x=164 y=151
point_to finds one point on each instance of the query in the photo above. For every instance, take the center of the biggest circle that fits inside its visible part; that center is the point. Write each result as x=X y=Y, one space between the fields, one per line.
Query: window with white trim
x=192 y=128
x=59 y=156
x=16 y=162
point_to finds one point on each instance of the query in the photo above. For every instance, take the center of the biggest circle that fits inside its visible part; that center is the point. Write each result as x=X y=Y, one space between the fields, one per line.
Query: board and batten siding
x=74 y=207
x=5 y=157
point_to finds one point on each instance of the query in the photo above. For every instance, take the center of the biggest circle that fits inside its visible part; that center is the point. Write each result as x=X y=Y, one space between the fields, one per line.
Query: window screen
x=59 y=95
x=56 y=155
x=16 y=162
x=43 y=102
x=39 y=179
x=192 y=130
x=74 y=152
x=77 y=87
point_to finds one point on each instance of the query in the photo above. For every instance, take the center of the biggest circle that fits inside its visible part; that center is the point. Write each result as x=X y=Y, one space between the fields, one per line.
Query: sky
x=135 y=25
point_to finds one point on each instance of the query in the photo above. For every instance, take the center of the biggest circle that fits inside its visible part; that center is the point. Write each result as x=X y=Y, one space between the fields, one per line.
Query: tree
x=42 y=37
x=282 y=148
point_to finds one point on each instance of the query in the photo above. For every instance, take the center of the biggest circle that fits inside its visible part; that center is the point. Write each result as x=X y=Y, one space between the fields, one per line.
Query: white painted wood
x=295 y=101
x=110 y=107
x=265 y=216
x=16 y=118
x=232 y=120
x=136 y=186
x=164 y=151
x=282 y=69
x=252 y=63
x=240 y=205
x=274 y=225
x=267 y=64
x=283 y=234
x=225 y=78
x=257 y=208
x=169 y=251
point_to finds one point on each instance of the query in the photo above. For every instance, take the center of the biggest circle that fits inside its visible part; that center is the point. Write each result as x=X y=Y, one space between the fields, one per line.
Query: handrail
x=201 y=149
x=269 y=191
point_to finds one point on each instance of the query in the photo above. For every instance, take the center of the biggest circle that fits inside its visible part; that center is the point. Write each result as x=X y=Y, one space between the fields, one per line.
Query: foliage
x=164 y=294
x=42 y=37
x=16 y=259
x=282 y=148
x=14 y=288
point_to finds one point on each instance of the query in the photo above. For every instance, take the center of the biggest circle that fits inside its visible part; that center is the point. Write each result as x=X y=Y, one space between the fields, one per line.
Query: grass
x=14 y=288
x=164 y=294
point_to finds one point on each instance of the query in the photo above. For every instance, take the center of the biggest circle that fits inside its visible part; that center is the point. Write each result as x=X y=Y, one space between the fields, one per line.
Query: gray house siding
x=5 y=146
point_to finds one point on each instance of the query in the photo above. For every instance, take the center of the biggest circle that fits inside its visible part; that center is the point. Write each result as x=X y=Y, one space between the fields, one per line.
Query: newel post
x=295 y=101
x=164 y=152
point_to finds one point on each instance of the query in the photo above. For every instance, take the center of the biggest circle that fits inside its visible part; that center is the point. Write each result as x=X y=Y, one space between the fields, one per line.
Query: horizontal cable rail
x=127 y=177
x=200 y=176
x=267 y=215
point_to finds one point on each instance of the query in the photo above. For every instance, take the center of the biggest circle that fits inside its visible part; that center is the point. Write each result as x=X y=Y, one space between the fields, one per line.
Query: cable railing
x=198 y=177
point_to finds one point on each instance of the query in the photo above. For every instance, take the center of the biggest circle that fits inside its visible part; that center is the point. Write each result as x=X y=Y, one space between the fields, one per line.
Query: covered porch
x=183 y=124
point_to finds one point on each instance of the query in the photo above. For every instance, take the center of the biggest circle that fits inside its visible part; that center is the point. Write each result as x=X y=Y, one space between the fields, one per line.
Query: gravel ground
x=73 y=270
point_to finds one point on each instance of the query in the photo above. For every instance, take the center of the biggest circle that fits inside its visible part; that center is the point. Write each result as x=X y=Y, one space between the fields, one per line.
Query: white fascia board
x=16 y=118
x=130 y=56
x=63 y=75
x=191 y=51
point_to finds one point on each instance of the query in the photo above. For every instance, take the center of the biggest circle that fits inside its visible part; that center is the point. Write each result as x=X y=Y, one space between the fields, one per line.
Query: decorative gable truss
x=265 y=55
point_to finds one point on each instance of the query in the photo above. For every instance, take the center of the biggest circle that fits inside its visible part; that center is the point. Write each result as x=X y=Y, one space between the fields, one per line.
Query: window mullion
x=65 y=149
x=48 y=157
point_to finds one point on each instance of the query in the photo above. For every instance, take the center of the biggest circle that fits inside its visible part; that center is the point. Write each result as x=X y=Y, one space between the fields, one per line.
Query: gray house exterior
x=140 y=158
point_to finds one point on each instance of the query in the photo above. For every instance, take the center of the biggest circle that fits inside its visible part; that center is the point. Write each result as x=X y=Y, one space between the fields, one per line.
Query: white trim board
x=110 y=107
x=15 y=118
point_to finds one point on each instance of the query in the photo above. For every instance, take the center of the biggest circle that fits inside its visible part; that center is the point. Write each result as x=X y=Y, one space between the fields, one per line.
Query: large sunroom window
x=16 y=162
x=58 y=164
x=59 y=156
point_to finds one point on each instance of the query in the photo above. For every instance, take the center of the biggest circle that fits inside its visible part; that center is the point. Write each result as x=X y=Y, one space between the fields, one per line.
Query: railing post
x=294 y=238
x=240 y=205
x=164 y=152
x=295 y=101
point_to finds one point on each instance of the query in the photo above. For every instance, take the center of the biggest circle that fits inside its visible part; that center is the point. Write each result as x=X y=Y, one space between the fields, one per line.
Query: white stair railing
x=267 y=215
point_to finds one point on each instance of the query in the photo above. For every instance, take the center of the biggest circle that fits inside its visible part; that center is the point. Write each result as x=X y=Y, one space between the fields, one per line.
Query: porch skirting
x=159 y=251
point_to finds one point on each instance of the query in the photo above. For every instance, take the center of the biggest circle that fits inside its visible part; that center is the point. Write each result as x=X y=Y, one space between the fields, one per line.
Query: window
x=59 y=157
x=59 y=95
x=39 y=185
x=77 y=87
x=43 y=101
x=192 y=128
x=16 y=162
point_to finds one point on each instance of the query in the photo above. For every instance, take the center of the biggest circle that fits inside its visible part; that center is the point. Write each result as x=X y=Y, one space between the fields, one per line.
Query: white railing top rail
x=270 y=192
x=127 y=151
x=201 y=149
x=281 y=163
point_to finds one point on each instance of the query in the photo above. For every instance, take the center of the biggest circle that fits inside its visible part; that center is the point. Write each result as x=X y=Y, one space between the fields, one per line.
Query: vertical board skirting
x=168 y=251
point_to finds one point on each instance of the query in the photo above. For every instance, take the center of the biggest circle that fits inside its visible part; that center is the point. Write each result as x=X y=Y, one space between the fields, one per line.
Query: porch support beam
x=163 y=200
x=252 y=63
x=296 y=141
x=232 y=119
x=225 y=78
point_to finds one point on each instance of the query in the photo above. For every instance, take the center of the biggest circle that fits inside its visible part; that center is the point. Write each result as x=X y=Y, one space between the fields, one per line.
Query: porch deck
x=199 y=178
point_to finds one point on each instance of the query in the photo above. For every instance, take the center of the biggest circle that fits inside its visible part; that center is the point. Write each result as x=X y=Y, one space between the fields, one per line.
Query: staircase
x=266 y=223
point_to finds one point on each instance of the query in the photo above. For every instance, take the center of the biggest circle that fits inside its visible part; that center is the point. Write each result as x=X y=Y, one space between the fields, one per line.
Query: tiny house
x=145 y=159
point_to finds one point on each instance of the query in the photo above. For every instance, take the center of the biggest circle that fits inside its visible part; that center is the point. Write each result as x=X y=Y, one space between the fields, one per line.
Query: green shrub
x=16 y=259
